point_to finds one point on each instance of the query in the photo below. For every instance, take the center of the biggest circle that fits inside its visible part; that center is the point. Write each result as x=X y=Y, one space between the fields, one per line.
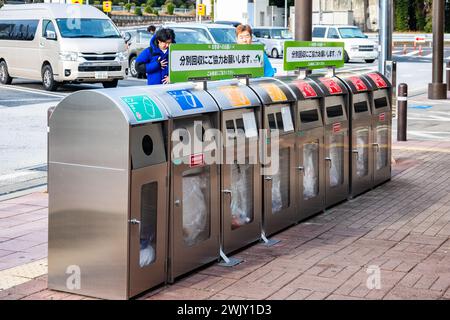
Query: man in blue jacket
x=155 y=59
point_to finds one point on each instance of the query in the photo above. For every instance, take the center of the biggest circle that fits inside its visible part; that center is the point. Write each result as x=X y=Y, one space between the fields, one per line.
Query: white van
x=60 y=43
x=357 y=46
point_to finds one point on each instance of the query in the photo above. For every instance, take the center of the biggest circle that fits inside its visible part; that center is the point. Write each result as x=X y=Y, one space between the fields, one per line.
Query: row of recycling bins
x=135 y=202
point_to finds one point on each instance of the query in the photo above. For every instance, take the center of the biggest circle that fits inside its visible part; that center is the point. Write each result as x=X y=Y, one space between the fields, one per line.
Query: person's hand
x=163 y=63
x=166 y=80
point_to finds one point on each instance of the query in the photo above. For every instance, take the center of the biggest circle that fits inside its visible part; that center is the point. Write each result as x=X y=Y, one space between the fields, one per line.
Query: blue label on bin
x=186 y=99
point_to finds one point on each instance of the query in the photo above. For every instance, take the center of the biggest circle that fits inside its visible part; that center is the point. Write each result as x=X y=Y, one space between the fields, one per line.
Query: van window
x=47 y=25
x=257 y=33
x=333 y=34
x=265 y=34
x=24 y=30
x=225 y=35
x=87 y=28
x=319 y=32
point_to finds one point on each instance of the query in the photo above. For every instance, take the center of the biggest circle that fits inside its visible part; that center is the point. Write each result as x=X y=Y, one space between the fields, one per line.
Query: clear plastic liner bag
x=147 y=228
x=241 y=195
x=311 y=169
x=337 y=160
x=195 y=212
x=382 y=155
x=280 y=183
x=362 y=162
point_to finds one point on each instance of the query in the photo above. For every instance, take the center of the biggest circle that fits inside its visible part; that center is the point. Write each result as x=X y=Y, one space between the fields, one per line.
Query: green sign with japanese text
x=215 y=61
x=313 y=55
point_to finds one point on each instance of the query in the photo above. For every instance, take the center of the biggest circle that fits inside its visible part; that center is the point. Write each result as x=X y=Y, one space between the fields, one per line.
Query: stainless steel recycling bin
x=309 y=164
x=194 y=177
x=336 y=143
x=361 y=141
x=108 y=166
x=279 y=184
x=240 y=183
x=381 y=98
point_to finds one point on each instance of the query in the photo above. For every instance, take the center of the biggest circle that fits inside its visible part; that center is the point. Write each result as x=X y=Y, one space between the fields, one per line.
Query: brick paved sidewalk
x=403 y=228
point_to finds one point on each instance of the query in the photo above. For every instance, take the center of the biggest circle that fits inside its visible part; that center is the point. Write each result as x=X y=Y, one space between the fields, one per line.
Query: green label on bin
x=143 y=108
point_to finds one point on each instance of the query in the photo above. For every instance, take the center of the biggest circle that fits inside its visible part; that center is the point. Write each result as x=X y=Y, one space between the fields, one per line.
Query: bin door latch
x=268 y=178
x=302 y=169
x=377 y=146
x=330 y=161
x=177 y=203
x=226 y=191
x=355 y=151
x=134 y=221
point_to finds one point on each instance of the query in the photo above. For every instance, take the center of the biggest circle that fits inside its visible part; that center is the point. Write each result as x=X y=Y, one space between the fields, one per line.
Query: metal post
x=437 y=89
x=385 y=33
x=285 y=13
x=303 y=20
x=447 y=69
x=402 y=109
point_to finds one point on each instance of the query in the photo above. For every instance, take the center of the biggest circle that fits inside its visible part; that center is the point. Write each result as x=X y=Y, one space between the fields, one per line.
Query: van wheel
x=274 y=53
x=48 y=81
x=133 y=70
x=4 y=74
x=346 y=58
x=110 y=84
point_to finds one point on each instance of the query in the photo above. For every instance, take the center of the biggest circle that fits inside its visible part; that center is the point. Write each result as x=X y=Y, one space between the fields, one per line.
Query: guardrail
x=129 y=20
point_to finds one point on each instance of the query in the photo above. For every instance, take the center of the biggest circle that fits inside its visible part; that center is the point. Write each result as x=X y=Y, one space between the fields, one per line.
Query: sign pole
x=303 y=20
x=385 y=33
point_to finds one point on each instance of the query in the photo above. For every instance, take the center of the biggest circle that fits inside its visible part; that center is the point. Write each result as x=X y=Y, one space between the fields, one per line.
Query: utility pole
x=303 y=20
x=385 y=33
x=438 y=89
x=285 y=13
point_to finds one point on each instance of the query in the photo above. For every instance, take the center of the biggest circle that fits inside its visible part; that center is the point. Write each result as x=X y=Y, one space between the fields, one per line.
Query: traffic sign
x=77 y=1
x=201 y=10
x=107 y=6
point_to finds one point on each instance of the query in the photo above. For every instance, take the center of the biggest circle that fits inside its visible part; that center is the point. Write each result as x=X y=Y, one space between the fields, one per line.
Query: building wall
x=232 y=10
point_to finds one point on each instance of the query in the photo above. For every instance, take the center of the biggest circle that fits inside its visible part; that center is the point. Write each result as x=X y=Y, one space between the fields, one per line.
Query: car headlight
x=68 y=56
x=122 y=56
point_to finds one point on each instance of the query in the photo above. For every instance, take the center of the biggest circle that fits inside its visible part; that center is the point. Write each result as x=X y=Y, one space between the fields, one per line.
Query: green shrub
x=138 y=11
x=96 y=3
x=148 y=9
x=128 y=7
x=170 y=8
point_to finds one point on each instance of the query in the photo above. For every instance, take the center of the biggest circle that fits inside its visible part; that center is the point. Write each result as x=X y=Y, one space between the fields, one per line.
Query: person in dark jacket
x=155 y=59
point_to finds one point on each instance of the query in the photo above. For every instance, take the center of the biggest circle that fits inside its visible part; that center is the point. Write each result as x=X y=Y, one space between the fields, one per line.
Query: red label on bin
x=197 y=160
x=358 y=83
x=382 y=117
x=306 y=89
x=332 y=86
x=336 y=127
x=379 y=81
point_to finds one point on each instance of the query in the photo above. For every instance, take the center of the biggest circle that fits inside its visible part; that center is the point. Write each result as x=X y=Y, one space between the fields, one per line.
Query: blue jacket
x=269 y=71
x=151 y=58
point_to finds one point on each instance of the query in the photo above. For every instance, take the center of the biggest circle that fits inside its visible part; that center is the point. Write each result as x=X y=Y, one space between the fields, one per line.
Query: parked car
x=229 y=23
x=273 y=38
x=215 y=33
x=357 y=46
x=39 y=42
x=140 y=39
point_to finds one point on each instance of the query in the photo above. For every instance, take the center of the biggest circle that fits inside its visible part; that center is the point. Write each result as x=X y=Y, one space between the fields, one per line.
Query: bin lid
x=356 y=82
x=272 y=90
x=138 y=105
x=304 y=89
x=331 y=86
x=233 y=94
x=378 y=80
x=184 y=99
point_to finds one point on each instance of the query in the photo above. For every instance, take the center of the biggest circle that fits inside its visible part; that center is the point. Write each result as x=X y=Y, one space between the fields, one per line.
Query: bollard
x=447 y=69
x=420 y=51
x=402 y=101
x=404 y=49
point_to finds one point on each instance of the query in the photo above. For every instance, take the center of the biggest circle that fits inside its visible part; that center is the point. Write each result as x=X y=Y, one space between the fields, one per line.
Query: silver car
x=273 y=38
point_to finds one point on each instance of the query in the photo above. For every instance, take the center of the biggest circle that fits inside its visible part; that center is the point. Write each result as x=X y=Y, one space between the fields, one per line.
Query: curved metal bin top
x=272 y=91
x=378 y=80
x=233 y=94
x=331 y=86
x=356 y=82
x=184 y=99
x=304 y=89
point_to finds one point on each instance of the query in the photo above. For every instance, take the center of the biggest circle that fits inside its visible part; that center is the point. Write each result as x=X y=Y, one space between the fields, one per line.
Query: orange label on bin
x=235 y=96
x=275 y=93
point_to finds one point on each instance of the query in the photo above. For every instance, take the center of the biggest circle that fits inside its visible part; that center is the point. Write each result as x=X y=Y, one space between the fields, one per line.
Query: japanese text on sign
x=313 y=55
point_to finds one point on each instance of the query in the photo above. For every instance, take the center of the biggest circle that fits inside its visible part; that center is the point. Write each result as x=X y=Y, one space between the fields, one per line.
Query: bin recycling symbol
x=143 y=108
x=186 y=100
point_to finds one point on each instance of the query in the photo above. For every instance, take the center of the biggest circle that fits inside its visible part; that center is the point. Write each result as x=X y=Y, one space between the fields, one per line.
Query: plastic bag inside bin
x=362 y=162
x=280 y=183
x=196 y=205
x=311 y=169
x=382 y=154
x=337 y=160
x=241 y=195
x=147 y=228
